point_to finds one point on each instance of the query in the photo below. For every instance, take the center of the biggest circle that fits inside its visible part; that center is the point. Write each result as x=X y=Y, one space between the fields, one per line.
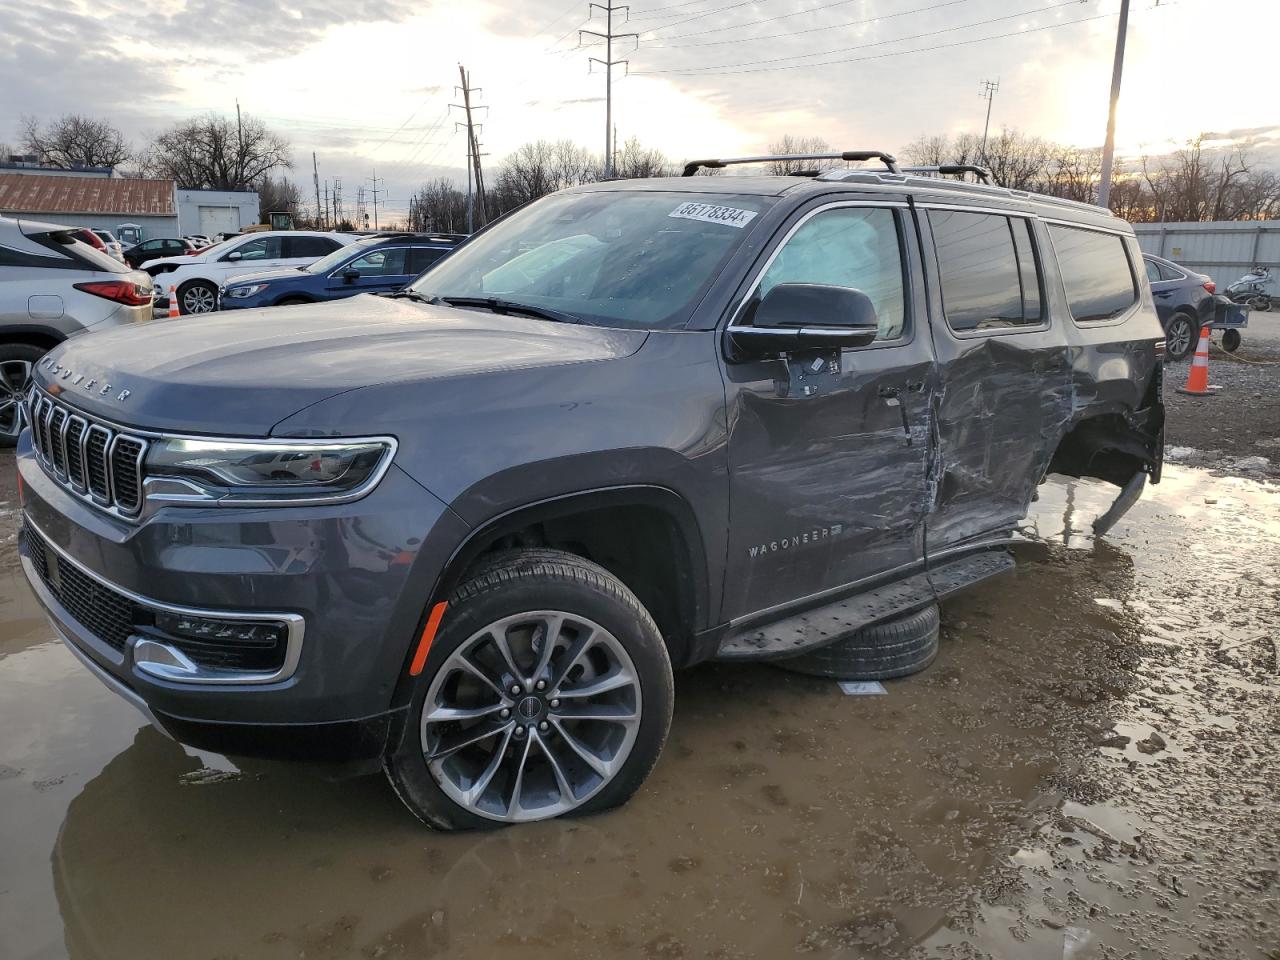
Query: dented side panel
x=1013 y=405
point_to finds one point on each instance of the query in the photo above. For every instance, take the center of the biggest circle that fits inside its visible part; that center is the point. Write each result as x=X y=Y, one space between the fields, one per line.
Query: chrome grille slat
x=88 y=457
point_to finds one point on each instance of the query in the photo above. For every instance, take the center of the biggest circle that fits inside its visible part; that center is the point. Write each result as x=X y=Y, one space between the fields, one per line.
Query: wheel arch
x=647 y=536
x=33 y=335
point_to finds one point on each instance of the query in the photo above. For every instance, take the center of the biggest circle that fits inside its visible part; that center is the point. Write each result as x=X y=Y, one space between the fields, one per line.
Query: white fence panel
x=1226 y=251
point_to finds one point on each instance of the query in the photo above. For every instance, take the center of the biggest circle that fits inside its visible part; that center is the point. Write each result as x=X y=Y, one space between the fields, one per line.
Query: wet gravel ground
x=1236 y=432
x=1089 y=769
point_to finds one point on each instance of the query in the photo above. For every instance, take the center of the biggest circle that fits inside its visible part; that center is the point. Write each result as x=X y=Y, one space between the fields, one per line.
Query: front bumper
x=356 y=575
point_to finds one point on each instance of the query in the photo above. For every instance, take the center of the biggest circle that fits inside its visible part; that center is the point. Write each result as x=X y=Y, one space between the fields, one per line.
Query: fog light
x=253 y=633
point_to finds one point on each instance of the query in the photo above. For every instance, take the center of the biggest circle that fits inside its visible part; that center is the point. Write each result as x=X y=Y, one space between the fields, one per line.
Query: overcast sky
x=366 y=83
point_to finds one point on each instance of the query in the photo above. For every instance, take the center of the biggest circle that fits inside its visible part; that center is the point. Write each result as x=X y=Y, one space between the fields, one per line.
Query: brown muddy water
x=1087 y=770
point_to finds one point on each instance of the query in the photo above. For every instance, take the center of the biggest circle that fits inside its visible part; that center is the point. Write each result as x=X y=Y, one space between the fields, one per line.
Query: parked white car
x=196 y=278
x=114 y=246
x=52 y=287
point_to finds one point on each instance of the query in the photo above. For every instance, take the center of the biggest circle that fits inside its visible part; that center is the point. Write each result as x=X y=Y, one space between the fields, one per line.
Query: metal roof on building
x=31 y=193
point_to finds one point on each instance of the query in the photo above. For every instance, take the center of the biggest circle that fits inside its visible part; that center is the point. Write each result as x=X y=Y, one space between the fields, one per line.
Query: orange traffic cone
x=173 y=305
x=1198 y=377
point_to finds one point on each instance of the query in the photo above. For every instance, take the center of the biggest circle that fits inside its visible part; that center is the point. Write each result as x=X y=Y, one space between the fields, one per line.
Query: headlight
x=235 y=470
x=239 y=293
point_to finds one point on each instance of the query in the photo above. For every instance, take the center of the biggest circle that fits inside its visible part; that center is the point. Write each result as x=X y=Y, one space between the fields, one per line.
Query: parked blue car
x=374 y=265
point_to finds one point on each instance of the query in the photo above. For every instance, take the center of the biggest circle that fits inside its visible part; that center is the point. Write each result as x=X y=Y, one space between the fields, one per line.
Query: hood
x=283 y=273
x=240 y=373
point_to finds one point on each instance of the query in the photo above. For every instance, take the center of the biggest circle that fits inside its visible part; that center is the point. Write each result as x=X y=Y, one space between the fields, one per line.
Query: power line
x=748 y=67
x=793 y=33
x=707 y=13
x=881 y=43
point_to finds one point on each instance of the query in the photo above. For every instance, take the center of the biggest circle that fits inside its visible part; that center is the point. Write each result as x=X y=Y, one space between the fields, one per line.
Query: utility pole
x=327 y=209
x=1109 y=148
x=989 y=88
x=337 y=202
x=475 y=197
x=608 y=63
x=240 y=185
x=375 y=180
x=315 y=175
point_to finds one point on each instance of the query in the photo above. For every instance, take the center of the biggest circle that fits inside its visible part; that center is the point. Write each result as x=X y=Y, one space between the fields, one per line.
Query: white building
x=210 y=212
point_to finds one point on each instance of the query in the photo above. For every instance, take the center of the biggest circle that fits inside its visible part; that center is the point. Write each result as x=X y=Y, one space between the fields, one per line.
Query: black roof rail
x=890 y=161
x=982 y=173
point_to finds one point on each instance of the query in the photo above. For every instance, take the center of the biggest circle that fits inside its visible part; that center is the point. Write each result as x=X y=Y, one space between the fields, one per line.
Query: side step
x=827 y=624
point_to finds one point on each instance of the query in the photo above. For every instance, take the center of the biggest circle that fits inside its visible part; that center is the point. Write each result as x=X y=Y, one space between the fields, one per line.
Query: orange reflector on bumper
x=428 y=634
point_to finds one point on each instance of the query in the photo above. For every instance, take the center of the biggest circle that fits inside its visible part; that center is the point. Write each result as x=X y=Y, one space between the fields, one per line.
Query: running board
x=827 y=624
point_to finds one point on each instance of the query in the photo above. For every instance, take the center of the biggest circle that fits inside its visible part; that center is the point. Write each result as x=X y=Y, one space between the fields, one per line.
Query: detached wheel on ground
x=1231 y=340
x=547 y=691
x=197 y=296
x=16 y=363
x=1180 y=336
x=894 y=648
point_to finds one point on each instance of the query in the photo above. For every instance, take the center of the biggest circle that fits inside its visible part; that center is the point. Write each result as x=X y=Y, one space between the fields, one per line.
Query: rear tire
x=1180 y=336
x=17 y=360
x=893 y=648
x=534 y=743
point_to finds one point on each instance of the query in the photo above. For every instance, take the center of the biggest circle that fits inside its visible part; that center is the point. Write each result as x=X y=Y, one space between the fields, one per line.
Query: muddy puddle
x=1089 y=769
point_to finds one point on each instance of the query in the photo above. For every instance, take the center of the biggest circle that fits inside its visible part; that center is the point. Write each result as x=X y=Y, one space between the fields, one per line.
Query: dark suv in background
x=467 y=531
x=380 y=264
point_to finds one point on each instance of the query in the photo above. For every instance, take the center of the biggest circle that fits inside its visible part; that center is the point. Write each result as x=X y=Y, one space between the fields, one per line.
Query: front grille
x=104 y=612
x=89 y=457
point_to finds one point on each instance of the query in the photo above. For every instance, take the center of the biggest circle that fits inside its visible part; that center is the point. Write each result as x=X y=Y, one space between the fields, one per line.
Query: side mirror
x=350 y=276
x=804 y=316
x=233 y=256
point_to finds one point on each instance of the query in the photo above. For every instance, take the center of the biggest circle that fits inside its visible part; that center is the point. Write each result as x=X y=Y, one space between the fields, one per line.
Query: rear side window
x=858 y=247
x=309 y=246
x=990 y=277
x=422 y=257
x=1096 y=272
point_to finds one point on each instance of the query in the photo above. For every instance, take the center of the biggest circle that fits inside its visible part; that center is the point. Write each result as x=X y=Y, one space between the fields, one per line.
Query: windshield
x=331 y=260
x=625 y=259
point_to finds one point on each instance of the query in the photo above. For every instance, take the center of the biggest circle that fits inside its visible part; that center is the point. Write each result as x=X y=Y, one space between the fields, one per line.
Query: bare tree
x=1073 y=173
x=73 y=141
x=438 y=206
x=790 y=145
x=276 y=195
x=635 y=161
x=217 y=153
x=535 y=169
x=927 y=151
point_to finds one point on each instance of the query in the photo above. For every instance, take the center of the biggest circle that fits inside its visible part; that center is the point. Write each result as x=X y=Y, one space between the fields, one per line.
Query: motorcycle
x=1257 y=289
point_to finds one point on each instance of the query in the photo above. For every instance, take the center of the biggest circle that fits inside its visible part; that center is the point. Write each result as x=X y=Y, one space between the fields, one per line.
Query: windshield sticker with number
x=709 y=213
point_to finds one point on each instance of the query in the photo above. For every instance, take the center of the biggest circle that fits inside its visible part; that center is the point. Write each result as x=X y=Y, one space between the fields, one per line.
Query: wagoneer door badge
x=90 y=384
x=806 y=539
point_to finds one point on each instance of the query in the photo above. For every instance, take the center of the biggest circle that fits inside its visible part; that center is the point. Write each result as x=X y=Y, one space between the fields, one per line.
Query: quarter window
x=987 y=262
x=857 y=247
x=1096 y=272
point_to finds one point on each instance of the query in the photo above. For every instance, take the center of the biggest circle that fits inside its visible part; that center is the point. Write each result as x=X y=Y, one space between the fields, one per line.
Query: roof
x=32 y=193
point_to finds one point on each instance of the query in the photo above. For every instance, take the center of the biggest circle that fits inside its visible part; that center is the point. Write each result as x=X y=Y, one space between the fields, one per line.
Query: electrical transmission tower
x=608 y=63
x=337 y=202
x=375 y=180
x=989 y=88
x=475 y=175
x=361 y=217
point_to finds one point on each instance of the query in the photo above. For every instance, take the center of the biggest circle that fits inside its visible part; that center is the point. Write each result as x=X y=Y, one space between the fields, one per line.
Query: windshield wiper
x=413 y=295
x=507 y=306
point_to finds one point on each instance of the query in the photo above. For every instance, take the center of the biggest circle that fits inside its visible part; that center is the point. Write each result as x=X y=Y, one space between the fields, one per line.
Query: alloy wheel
x=198 y=299
x=1178 y=337
x=531 y=717
x=15 y=377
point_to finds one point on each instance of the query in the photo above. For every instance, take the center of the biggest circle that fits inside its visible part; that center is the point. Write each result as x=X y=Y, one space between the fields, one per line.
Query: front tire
x=197 y=296
x=547 y=691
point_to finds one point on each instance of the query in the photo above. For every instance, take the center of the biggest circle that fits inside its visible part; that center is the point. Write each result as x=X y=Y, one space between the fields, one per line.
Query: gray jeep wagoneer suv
x=466 y=532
